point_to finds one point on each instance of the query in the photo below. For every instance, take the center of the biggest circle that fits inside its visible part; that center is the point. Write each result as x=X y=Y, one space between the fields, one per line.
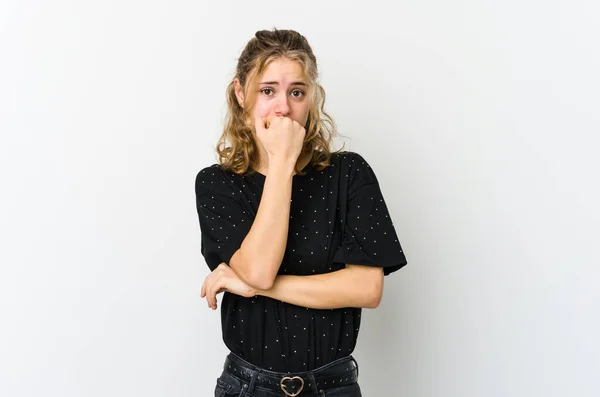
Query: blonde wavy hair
x=237 y=147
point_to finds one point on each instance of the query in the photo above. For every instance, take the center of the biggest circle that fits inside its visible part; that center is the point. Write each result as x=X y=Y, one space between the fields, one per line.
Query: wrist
x=281 y=169
x=282 y=163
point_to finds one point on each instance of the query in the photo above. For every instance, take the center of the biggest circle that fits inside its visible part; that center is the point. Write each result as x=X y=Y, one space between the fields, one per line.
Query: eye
x=264 y=91
x=297 y=93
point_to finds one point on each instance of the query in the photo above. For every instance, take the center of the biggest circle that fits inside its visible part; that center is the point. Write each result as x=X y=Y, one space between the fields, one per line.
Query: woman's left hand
x=223 y=278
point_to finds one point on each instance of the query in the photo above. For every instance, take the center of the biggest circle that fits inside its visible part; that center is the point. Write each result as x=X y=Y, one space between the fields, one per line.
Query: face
x=282 y=90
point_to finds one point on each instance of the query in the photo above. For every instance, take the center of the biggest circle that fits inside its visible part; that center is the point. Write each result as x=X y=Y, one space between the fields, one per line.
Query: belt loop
x=355 y=363
x=313 y=383
x=255 y=373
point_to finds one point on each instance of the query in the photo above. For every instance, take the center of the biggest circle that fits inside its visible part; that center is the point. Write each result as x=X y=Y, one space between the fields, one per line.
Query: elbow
x=253 y=272
x=260 y=283
x=261 y=280
x=369 y=285
x=373 y=299
x=374 y=295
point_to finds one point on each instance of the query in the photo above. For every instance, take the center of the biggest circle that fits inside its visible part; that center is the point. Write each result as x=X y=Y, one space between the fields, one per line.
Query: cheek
x=262 y=109
x=302 y=112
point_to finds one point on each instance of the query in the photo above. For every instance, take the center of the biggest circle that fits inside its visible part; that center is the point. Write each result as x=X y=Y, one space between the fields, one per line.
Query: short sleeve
x=369 y=235
x=223 y=222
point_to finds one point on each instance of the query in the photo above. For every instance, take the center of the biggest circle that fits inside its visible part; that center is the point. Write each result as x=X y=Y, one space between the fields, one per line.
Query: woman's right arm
x=258 y=259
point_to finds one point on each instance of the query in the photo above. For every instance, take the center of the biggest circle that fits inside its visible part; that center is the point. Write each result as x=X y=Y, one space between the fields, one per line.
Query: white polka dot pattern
x=338 y=216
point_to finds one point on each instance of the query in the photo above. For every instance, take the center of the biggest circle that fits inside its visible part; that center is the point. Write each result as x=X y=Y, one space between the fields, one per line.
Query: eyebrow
x=277 y=83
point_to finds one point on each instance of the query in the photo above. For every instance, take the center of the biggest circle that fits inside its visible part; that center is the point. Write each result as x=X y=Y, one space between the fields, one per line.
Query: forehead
x=283 y=70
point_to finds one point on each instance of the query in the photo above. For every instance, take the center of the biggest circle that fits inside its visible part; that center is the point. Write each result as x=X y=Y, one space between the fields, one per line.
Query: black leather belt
x=338 y=373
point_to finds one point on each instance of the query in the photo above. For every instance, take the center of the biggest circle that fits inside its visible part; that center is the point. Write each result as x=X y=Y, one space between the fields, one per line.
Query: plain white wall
x=480 y=118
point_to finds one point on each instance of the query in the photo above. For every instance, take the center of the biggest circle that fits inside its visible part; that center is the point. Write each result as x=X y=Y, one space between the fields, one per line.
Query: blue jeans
x=242 y=379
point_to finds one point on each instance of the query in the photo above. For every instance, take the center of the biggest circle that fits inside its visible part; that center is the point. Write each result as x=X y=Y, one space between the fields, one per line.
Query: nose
x=282 y=107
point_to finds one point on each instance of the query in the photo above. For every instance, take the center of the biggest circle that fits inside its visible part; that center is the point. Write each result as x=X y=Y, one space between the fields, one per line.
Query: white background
x=480 y=118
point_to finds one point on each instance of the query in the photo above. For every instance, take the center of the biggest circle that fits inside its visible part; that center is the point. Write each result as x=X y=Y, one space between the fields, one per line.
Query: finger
x=218 y=292
x=208 y=299
x=213 y=303
x=272 y=118
x=204 y=284
x=222 y=288
x=259 y=124
x=207 y=288
x=211 y=293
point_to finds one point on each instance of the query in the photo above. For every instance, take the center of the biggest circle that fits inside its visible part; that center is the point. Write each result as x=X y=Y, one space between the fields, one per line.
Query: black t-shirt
x=338 y=216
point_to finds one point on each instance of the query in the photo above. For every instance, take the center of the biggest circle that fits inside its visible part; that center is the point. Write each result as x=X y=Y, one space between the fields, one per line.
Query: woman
x=297 y=237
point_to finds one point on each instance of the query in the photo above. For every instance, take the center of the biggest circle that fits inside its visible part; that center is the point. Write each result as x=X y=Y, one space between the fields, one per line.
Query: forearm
x=350 y=287
x=259 y=257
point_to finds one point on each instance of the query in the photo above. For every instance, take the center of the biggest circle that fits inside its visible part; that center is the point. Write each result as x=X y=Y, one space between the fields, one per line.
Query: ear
x=239 y=92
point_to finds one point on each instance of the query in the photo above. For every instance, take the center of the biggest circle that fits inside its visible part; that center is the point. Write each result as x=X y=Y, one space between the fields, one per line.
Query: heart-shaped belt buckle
x=284 y=387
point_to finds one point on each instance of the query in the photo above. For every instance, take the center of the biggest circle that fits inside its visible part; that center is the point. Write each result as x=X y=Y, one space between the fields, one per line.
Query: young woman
x=297 y=237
